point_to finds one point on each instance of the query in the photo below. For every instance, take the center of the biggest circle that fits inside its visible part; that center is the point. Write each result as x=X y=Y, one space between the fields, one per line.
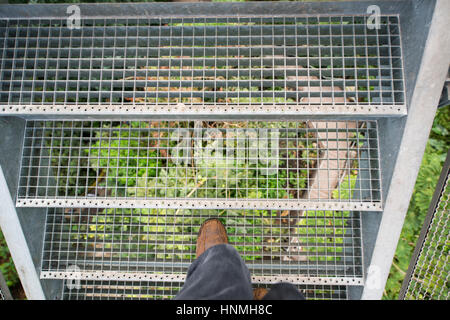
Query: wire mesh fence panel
x=326 y=64
x=201 y=164
x=304 y=247
x=152 y=290
x=428 y=275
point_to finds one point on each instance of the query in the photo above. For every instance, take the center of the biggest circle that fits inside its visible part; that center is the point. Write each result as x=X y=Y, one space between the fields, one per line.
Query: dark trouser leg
x=284 y=291
x=218 y=274
x=221 y=274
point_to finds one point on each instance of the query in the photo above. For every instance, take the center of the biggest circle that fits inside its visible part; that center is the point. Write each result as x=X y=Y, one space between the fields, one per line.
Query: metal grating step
x=309 y=247
x=148 y=290
x=203 y=165
x=202 y=65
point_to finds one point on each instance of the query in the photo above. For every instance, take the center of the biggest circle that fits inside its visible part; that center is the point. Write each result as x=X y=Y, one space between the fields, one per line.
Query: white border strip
x=127 y=276
x=182 y=109
x=200 y=204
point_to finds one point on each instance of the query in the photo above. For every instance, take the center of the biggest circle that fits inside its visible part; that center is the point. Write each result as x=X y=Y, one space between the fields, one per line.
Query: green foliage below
x=6 y=264
x=133 y=169
x=430 y=169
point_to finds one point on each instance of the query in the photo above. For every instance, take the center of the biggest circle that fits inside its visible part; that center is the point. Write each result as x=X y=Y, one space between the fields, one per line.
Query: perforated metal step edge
x=112 y=275
x=200 y=204
x=205 y=110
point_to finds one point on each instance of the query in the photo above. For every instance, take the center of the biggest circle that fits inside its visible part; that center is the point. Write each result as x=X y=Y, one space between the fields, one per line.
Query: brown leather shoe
x=259 y=293
x=211 y=233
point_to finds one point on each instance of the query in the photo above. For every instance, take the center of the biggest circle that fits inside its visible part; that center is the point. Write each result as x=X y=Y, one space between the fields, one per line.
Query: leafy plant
x=430 y=169
x=141 y=163
x=7 y=267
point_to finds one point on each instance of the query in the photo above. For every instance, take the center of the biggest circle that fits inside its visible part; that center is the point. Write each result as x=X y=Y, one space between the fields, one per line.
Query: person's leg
x=219 y=273
x=283 y=291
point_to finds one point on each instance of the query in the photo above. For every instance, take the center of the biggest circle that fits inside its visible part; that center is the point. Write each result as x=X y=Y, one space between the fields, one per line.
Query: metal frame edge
x=17 y=244
x=421 y=113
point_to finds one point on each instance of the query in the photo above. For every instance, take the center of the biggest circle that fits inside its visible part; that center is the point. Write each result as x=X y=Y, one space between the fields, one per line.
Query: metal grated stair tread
x=232 y=65
x=148 y=290
x=284 y=165
x=310 y=247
